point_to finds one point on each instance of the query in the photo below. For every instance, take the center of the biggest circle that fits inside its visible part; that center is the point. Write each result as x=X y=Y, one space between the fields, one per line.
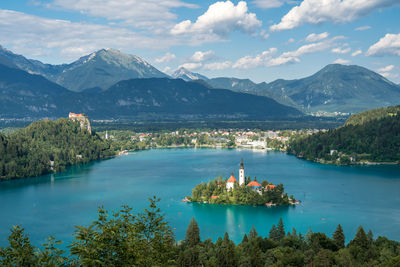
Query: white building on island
x=231 y=182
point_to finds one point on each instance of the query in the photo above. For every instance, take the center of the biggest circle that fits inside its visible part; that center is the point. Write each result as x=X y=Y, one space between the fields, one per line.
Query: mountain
x=163 y=98
x=338 y=88
x=28 y=95
x=187 y=75
x=248 y=86
x=99 y=69
x=10 y=59
x=103 y=69
x=25 y=95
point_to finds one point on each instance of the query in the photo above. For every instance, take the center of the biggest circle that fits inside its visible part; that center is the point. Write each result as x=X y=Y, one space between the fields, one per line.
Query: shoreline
x=269 y=205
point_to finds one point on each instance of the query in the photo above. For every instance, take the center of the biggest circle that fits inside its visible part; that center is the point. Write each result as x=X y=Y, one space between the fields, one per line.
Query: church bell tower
x=241 y=173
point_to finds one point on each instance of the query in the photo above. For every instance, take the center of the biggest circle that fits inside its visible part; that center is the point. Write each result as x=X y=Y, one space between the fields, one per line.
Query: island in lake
x=243 y=192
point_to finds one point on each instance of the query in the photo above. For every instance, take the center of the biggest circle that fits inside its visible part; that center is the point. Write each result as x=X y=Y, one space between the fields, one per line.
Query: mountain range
x=32 y=88
x=25 y=95
x=335 y=88
x=100 y=69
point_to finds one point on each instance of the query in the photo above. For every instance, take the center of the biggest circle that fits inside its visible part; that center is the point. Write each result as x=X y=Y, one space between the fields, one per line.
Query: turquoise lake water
x=351 y=196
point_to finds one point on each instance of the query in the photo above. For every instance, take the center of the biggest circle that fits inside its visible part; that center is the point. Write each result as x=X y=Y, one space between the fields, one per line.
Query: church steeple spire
x=241 y=173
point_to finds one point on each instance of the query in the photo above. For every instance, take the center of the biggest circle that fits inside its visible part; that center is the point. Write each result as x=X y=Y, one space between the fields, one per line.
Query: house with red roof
x=270 y=187
x=231 y=182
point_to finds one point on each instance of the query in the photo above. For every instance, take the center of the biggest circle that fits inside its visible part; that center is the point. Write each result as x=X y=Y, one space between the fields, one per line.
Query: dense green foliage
x=215 y=192
x=372 y=114
x=145 y=239
x=375 y=140
x=47 y=146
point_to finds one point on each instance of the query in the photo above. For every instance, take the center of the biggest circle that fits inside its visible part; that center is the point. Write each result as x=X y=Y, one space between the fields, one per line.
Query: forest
x=48 y=146
x=215 y=192
x=126 y=238
x=361 y=140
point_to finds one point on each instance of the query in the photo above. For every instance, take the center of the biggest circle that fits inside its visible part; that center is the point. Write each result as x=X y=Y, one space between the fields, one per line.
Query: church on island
x=230 y=183
x=244 y=191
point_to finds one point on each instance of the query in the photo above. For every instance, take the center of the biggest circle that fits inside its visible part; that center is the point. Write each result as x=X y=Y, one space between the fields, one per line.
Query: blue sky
x=258 y=39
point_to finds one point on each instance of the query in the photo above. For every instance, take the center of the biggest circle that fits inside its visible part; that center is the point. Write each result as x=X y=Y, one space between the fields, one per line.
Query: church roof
x=270 y=186
x=231 y=179
x=254 y=184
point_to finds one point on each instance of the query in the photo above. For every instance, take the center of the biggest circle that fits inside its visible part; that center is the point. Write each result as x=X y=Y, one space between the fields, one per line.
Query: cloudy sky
x=258 y=39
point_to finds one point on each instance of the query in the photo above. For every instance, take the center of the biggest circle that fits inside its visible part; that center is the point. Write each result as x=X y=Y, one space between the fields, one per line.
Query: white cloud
x=149 y=14
x=387 y=45
x=341 y=61
x=168 y=57
x=356 y=53
x=200 y=56
x=268 y=3
x=167 y=70
x=291 y=40
x=386 y=69
x=282 y=61
x=264 y=35
x=249 y=62
x=389 y=75
x=341 y=50
x=191 y=65
x=310 y=48
x=313 y=37
x=219 y=20
x=268 y=58
x=338 y=11
x=66 y=40
x=363 y=28
x=218 y=65
x=387 y=72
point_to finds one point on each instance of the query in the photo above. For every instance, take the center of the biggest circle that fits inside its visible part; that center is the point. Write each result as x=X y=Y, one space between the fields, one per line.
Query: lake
x=349 y=195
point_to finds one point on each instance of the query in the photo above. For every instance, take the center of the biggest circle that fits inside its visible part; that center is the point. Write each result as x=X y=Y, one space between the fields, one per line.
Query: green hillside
x=48 y=146
x=373 y=114
x=361 y=140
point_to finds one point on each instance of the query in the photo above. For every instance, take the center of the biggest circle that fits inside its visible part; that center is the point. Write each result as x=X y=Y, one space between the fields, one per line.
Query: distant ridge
x=101 y=69
x=25 y=95
x=187 y=75
x=334 y=89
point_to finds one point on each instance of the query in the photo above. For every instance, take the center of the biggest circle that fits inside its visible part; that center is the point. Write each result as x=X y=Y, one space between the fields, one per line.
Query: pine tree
x=280 y=230
x=338 y=237
x=253 y=233
x=272 y=233
x=245 y=239
x=192 y=234
x=20 y=252
x=370 y=237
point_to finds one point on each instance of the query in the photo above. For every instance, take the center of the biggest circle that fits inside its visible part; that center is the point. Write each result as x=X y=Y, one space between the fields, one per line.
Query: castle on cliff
x=83 y=121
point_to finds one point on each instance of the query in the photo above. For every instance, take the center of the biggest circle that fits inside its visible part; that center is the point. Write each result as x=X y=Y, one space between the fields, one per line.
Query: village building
x=231 y=182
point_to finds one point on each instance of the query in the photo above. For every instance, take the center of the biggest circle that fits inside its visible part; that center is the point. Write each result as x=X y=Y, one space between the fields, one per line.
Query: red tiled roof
x=254 y=183
x=214 y=197
x=76 y=115
x=270 y=186
x=231 y=179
